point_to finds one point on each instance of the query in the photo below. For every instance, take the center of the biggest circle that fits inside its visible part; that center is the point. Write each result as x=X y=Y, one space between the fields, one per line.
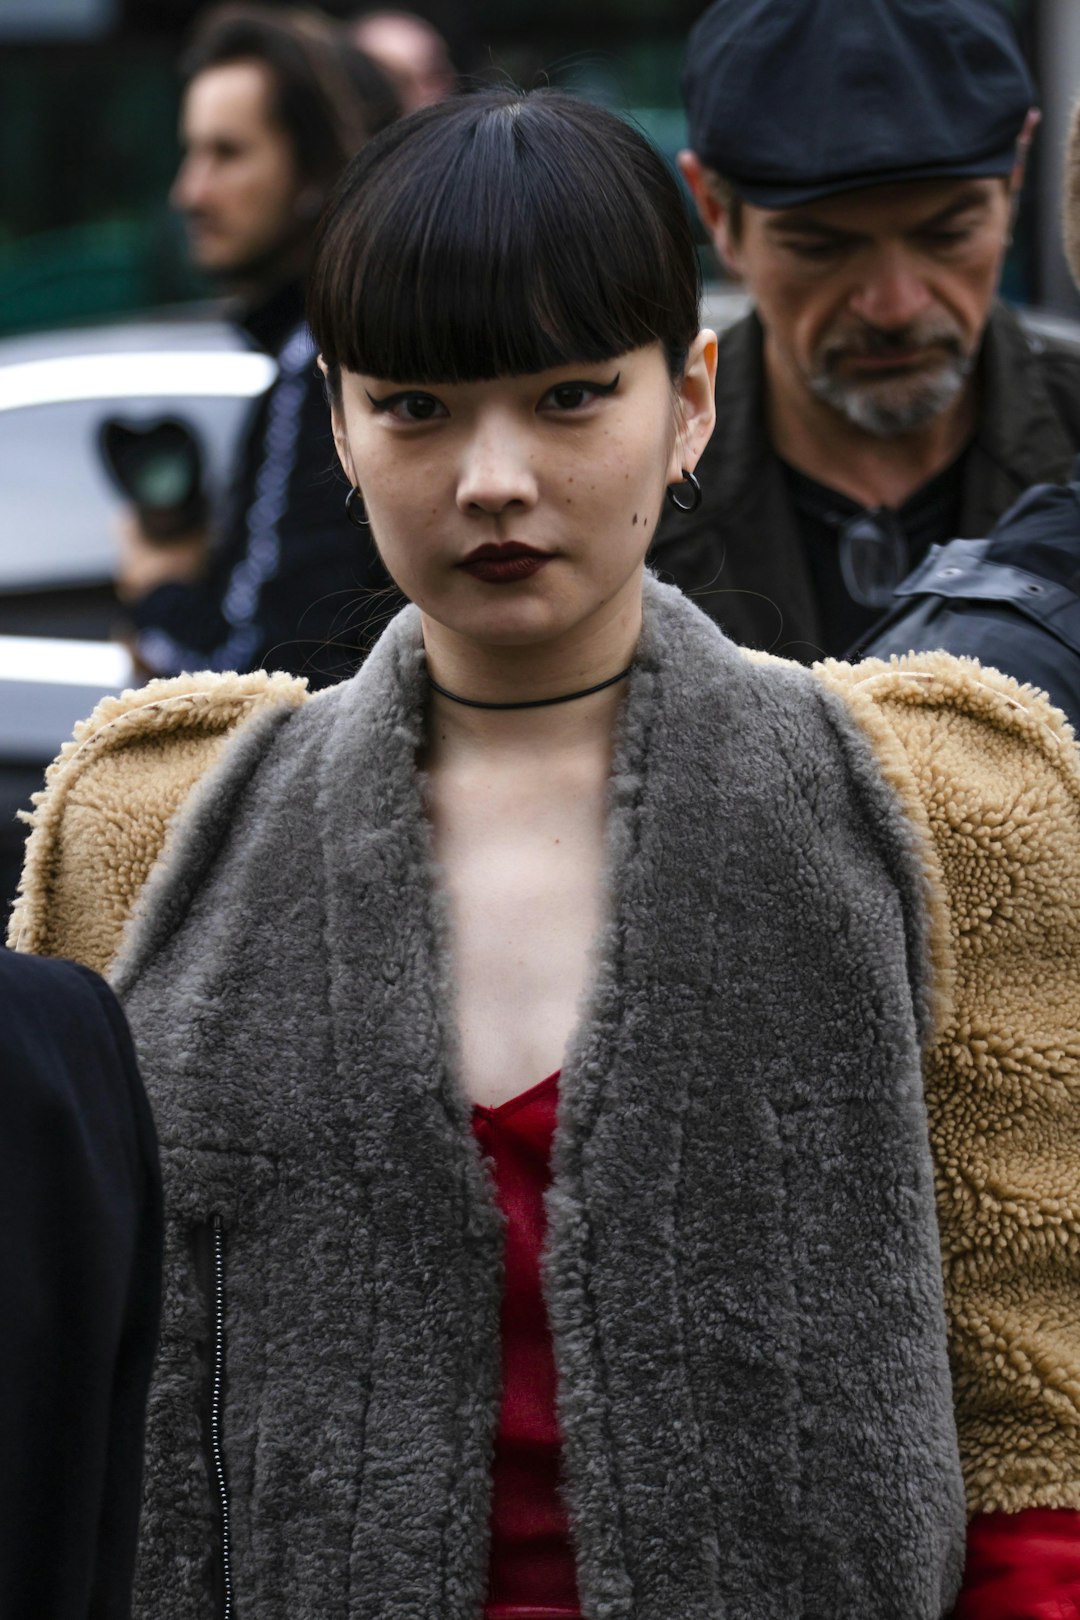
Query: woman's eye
x=572 y=396
x=409 y=407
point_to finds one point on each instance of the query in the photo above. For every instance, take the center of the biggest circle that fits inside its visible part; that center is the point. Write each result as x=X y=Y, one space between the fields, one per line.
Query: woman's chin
x=508 y=616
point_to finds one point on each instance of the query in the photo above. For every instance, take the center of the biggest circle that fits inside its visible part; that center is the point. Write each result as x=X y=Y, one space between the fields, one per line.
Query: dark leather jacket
x=1011 y=600
x=741 y=557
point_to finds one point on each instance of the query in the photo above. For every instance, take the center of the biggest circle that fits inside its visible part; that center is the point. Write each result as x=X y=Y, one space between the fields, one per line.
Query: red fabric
x=1022 y=1566
x=531 y=1573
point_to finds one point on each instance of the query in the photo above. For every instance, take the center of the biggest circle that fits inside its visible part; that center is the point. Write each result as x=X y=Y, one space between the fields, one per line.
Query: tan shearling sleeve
x=989 y=773
x=101 y=821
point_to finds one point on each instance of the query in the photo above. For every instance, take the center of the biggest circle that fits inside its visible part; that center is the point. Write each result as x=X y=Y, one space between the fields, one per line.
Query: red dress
x=1020 y=1566
x=531 y=1571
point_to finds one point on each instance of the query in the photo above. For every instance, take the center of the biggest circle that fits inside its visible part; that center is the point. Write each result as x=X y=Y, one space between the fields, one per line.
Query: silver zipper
x=217 y=1395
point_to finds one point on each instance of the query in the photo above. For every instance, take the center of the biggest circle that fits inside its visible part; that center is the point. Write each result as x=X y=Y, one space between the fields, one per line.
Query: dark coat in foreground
x=80 y=1280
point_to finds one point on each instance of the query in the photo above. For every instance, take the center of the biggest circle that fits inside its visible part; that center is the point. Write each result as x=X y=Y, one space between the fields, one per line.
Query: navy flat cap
x=796 y=99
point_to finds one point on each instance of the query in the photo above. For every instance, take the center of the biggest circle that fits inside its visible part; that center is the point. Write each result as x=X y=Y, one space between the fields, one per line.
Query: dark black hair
x=327 y=96
x=502 y=233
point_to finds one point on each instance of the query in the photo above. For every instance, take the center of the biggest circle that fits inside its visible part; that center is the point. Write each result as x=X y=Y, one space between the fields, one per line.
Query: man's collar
x=1017 y=425
x=271 y=320
x=741 y=424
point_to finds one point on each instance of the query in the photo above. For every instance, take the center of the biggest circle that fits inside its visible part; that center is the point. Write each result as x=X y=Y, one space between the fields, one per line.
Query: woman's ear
x=337 y=423
x=696 y=405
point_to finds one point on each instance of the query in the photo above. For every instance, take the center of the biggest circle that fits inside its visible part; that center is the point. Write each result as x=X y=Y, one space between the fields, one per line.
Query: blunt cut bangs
x=498 y=234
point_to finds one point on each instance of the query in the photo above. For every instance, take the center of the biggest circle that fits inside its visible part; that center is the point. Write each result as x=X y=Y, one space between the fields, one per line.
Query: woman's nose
x=496 y=474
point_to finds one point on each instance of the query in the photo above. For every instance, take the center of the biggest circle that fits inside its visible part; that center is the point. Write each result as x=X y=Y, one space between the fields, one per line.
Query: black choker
x=533 y=703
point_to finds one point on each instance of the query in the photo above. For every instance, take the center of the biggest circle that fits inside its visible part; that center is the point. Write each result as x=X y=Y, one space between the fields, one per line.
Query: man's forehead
x=228 y=98
x=896 y=206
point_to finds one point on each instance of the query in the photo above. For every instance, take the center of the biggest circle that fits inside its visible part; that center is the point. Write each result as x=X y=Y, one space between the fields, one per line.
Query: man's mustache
x=873 y=343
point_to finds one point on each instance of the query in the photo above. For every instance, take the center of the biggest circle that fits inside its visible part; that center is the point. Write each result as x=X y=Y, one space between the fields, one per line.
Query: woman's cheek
x=399 y=545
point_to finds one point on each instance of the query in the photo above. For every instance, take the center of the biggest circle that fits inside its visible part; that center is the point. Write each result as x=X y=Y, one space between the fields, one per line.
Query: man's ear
x=712 y=210
x=1023 y=147
x=1070 y=201
x=337 y=423
x=696 y=406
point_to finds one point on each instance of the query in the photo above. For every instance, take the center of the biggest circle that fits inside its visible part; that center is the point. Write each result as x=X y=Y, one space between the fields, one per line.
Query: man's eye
x=573 y=396
x=946 y=238
x=815 y=251
x=409 y=407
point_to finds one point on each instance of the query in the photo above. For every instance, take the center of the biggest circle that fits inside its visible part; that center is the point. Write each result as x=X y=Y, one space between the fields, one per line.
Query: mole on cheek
x=634 y=525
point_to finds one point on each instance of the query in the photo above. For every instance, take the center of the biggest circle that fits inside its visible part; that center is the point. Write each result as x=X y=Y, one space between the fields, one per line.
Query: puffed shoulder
x=101 y=820
x=989 y=773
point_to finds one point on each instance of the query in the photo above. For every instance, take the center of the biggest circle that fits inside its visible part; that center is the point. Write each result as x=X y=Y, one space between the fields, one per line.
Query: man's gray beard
x=864 y=406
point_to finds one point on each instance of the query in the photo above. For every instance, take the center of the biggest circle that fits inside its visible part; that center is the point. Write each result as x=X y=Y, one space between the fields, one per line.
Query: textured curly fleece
x=109 y=797
x=990 y=785
x=992 y=772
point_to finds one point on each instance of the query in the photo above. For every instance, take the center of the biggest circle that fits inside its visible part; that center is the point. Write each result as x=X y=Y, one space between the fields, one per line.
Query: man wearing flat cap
x=857 y=166
x=1011 y=599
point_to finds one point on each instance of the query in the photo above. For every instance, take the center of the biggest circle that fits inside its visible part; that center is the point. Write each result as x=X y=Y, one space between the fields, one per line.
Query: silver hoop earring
x=355 y=510
x=693 y=500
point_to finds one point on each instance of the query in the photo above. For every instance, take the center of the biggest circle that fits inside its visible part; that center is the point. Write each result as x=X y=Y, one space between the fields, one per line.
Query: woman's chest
x=523 y=888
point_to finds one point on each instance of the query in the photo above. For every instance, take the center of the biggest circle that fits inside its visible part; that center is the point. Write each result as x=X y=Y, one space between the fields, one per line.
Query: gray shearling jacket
x=742 y=1269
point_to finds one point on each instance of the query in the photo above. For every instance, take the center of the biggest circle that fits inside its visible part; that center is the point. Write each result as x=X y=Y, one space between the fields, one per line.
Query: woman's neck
x=589 y=655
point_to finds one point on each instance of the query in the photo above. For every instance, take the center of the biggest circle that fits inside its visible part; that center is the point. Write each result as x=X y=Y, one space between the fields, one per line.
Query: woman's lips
x=504 y=565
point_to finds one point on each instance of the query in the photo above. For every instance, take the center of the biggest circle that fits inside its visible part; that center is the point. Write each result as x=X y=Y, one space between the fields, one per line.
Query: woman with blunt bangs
x=554 y=1031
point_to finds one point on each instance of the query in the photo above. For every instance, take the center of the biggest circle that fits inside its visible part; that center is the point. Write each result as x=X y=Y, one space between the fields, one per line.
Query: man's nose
x=891 y=295
x=496 y=473
x=189 y=185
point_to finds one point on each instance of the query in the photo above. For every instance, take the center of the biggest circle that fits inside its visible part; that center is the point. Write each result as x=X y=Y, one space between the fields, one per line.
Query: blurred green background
x=88 y=106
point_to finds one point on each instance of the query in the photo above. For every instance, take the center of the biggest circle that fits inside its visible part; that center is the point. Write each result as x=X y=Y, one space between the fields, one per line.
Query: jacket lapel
x=1021 y=439
x=436 y=1235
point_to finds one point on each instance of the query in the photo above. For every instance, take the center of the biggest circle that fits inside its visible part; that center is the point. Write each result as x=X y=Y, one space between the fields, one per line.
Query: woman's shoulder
x=100 y=822
x=988 y=774
x=953 y=730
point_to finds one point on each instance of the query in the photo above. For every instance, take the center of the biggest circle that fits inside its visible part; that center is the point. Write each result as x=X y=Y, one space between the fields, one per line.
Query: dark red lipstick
x=505 y=564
